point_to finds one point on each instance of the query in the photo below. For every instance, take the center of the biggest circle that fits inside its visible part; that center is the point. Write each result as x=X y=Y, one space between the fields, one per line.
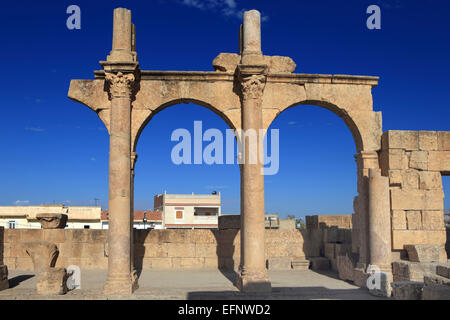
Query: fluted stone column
x=121 y=76
x=252 y=78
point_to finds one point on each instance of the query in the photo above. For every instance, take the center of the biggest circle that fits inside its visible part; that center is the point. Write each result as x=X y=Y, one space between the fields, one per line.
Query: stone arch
x=341 y=113
x=151 y=113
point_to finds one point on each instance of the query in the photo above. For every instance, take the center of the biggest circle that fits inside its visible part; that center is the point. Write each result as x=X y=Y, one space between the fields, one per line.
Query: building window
x=179 y=214
x=86 y=226
x=11 y=224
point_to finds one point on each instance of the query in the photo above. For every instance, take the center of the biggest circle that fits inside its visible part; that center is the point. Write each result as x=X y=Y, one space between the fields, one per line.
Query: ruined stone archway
x=247 y=90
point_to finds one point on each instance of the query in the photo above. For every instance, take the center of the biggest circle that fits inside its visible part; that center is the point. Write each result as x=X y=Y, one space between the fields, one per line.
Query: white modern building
x=188 y=210
x=24 y=217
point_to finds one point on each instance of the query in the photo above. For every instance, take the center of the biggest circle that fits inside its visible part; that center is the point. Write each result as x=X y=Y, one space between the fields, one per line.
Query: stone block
x=430 y=180
x=4 y=283
x=360 y=277
x=54 y=235
x=52 y=220
x=330 y=250
x=395 y=178
x=407 y=290
x=161 y=263
x=410 y=179
x=414 y=220
x=397 y=159
x=433 y=220
x=423 y=252
x=436 y=292
x=319 y=263
x=300 y=263
x=399 y=220
x=157 y=250
x=428 y=140
x=203 y=236
x=433 y=279
x=42 y=253
x=11 y=235
x=188 y=263
x=211 y=263
x=439 y=161
x=331 y=234
x=411 y=271
x=417 y=199
x=443 y=271
x=402 y=237
x=345 y=267
x=31 y=235
x=443 y=140
x=418 y=160
x=52 y=281
x=24 y=264
x=181 y=250
x=205 y=250
x=397 y=139
x=279 y=263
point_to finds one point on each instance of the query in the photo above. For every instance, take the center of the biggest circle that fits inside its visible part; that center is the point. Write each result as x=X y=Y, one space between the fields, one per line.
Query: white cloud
x=227 y=8
x=35 y=129
x=21 y=202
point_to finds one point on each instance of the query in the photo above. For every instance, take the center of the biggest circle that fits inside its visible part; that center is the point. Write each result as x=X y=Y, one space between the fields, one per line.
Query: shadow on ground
x=14 y=282
x=286 y=293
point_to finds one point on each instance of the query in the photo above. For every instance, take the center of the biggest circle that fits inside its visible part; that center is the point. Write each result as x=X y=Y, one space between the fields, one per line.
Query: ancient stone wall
x=158 y=249
x=415 y=161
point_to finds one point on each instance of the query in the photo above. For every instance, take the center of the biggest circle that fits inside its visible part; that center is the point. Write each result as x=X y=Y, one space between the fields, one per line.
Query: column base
x=134 y=280
x=4 y=283
x=257 y=282
x=119 y=286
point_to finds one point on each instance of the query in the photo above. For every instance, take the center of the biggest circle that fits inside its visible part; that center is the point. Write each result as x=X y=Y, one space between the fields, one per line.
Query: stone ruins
x=397 y=225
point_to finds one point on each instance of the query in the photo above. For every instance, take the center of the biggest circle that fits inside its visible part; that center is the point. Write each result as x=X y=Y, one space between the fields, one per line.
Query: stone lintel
x=119 y=66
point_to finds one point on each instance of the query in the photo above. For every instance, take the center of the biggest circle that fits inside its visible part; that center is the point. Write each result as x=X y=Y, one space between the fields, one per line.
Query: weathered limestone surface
x=52 y=281
x=4 y=283
x=414 y=162
x=42 y=253
x=52 y=220
x=407 y=290
x=411 y=271
x=423 y=253
x=436 y=292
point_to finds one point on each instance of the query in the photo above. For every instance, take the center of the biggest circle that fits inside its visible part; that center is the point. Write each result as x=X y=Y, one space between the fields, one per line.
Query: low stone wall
x=158 y=249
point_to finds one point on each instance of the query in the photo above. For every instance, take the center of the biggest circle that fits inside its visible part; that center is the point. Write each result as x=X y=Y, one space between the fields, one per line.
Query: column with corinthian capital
x=119 y=236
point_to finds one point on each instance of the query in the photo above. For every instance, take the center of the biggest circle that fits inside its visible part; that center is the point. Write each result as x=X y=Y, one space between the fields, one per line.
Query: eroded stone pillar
x=379 y=234
x=119 y=232
x=379 y=221
x=252 y=78
x=121 y=72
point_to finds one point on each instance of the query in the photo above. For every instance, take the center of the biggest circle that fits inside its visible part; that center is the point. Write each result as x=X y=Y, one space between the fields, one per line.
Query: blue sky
x=55 y=150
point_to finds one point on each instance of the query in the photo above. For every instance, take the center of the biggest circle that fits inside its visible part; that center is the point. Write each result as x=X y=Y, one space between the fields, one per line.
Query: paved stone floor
x=197 y=285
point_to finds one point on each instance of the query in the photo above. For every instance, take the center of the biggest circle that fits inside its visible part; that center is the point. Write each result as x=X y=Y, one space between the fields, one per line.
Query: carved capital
x=120 y=85
x=252 y=87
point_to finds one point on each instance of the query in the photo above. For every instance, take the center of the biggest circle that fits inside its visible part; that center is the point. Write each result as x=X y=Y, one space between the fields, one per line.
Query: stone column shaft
x=119 y=260
x=253 y=274
x=379 y=221
x=122 y=44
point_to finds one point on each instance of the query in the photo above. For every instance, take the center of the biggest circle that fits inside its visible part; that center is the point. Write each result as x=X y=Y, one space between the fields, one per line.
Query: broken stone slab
x=345 y=267
x=443 y=271
x=228 y=62
x=407 y=290
x=412 y=271
x=280 y=263
x=52 y=220
x=433 y=279
x=52 y=281
x=436 y=292
x=423 y=252
x=300 y=263
x=319 y=263
x=43 y=254
x=4 y=283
